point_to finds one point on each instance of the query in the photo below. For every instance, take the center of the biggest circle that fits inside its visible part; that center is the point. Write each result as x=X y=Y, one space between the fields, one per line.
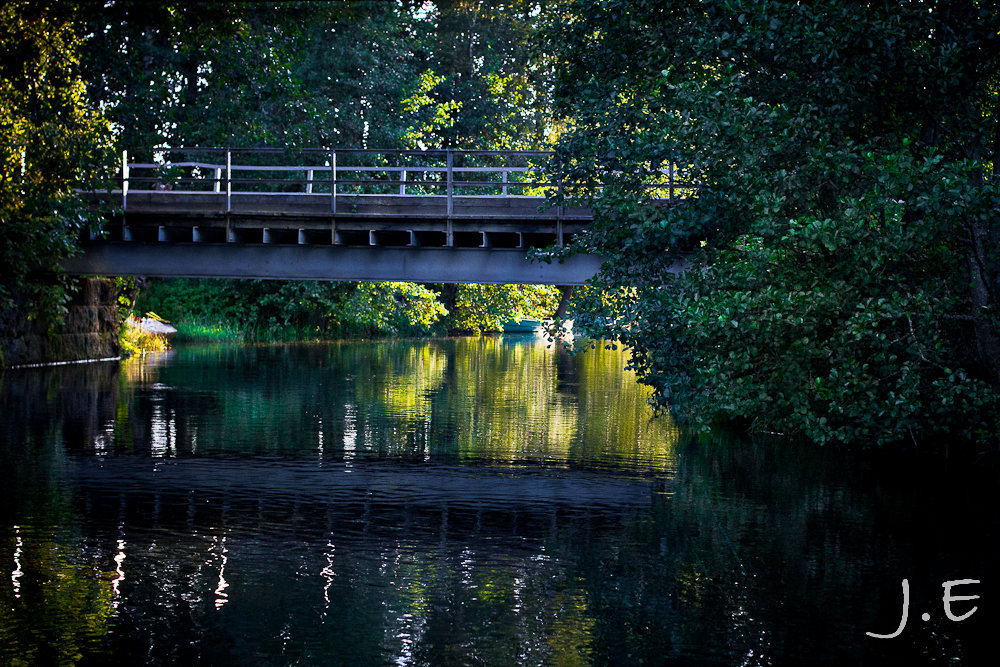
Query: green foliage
x=346 y=75
x=304 y=310
x=393 y=308
x=207 y=331
x=53 y=141
x=136 y=341
x=485 y=308
x=395 y=75
x=843 y=236
x=494 y=72
x=257 y=309
x=291 y=310
x=335 y=74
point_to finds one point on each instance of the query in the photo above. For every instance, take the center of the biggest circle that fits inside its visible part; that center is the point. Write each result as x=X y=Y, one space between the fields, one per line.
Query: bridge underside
x=317 y=262
x=411 y=238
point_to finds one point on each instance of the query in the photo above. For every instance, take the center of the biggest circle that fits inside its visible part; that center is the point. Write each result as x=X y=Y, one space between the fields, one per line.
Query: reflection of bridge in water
x=417 y=216
x=479 y=490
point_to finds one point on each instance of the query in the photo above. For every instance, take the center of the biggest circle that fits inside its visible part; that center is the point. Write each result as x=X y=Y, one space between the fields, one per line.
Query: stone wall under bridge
x=90 y=329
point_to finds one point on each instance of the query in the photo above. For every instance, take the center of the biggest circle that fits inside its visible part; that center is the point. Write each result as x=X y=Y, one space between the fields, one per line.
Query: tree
x=53 y=141
x=841 y=222
x=343 y=75
x=485 y=308
x=492 y=74
x=251 y=74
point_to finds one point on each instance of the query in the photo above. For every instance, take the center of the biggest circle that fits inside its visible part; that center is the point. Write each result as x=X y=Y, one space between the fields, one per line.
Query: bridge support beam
x=312 y=262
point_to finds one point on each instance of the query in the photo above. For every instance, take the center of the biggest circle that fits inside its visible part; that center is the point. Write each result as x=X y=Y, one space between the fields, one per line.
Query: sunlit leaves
x=53 y=141
x=346 y=75
x=484 y=308
x=428 y=116
x=393 y=308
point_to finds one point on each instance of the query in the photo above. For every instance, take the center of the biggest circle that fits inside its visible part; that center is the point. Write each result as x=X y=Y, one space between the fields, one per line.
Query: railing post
x=309 y=181
x=402 y=182
x=333 y=196
x=560 y=209
x=229 y=180
x=126 y=234
x=124 y=180
x=218 y=180
x=333 y=181
x=450 y=186
x=503 y=189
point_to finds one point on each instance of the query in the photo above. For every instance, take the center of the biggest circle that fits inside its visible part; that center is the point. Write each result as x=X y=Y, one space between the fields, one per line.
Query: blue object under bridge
x=315 y=214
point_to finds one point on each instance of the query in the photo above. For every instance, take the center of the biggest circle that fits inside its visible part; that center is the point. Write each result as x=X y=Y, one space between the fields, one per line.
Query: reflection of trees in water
x=474 y=398
x=502 y=403
x=438 y=570
x=70 y=402
x=55 y=607
x=616 y=423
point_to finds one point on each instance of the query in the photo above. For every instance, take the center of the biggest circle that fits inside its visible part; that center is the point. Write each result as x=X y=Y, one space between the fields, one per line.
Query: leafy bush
x=841 y=230
x=485 y=308
x=135 y=340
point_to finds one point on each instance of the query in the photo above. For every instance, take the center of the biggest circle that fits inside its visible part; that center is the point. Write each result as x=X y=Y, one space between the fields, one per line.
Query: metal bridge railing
x=338 y=172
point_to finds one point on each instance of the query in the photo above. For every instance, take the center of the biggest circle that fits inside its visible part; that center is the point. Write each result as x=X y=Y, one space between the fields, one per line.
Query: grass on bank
x=228 y=332
x=209 y=332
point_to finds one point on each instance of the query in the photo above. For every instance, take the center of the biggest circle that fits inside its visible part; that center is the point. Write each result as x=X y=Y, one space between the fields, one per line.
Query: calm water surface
x=459 y=502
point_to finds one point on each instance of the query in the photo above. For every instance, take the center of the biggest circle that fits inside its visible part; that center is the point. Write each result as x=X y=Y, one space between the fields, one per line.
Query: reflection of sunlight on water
x=163 y=432
x=517 y=598
x=350 y=434
x=139 y=371
x=408 y=638
x=221 y=597
x=15 y=576
x=319 y=438
x=328 y=575
x=119 y=575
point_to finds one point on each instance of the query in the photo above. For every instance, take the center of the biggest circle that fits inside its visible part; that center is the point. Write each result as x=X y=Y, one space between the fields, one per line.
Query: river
x=491 y=501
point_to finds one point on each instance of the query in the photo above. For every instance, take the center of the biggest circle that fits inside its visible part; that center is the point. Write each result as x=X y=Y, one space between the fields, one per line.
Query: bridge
x=316 y=214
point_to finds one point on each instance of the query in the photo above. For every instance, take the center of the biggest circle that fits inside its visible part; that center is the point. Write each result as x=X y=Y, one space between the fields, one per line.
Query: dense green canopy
x=52 y=140
x=343 y=75
x=844 y=227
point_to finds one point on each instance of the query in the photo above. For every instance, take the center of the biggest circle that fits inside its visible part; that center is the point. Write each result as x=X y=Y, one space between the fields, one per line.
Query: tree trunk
x=981 y=300
x=565 y=292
